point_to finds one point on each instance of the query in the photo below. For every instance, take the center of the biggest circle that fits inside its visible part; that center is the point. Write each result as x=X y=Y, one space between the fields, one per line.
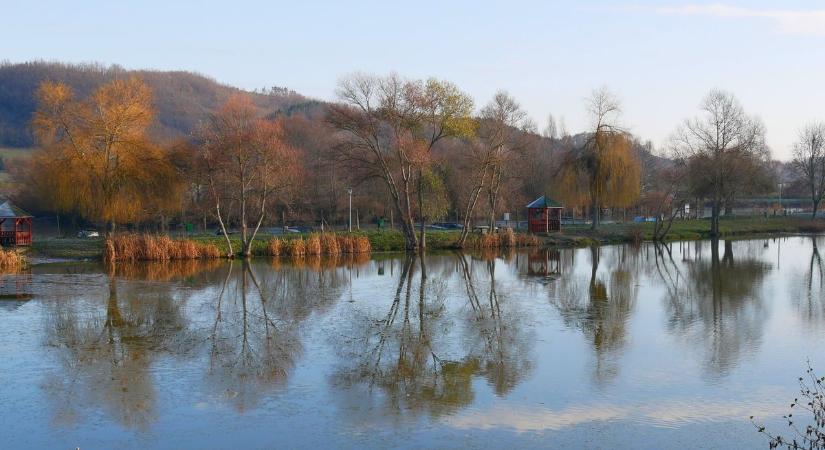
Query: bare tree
x=502 y=132
x=246 y=163
x=809 y=161
x=552 y=130
x=720 y=147
x=388 y=128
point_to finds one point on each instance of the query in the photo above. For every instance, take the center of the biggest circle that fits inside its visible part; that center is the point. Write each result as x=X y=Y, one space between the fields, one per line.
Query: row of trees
x=415 y=150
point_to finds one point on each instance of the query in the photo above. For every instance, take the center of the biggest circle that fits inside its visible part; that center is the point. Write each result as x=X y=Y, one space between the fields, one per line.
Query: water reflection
x=107 y=357
x=421 y=355
x=715 y=303
x=447 y=340
x=809 y=291
x=600 y=304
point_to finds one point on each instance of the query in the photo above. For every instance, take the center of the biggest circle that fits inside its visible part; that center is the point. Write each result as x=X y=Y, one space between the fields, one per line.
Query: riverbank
x=570 y=236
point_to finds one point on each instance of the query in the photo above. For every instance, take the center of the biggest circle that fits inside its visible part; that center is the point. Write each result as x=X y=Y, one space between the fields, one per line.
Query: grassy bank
x=685 y=230
x=389 y=240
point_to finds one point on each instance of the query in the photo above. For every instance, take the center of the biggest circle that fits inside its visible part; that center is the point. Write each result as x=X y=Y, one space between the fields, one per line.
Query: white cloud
x=811 y=22
x=668 y=413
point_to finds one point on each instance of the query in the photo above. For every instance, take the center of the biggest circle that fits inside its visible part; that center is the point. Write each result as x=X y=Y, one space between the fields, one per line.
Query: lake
x=603 y=347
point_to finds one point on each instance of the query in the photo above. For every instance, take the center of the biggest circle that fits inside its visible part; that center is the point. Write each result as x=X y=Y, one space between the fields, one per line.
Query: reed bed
x=295 y=248
x=505 y=239
x=146 y=247
x=317 y=244
x=312 y=245
x=11 y=260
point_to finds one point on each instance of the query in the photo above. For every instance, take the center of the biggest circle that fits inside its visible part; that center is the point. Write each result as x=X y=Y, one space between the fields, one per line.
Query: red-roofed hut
x=544 y=215
x=15 y=226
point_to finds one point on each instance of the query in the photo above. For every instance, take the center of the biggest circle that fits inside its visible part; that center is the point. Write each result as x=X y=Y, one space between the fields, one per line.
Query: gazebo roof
x=10 y=211
x=544 y=202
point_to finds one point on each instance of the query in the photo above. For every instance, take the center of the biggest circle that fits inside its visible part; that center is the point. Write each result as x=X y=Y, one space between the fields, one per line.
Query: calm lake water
x=611 y=347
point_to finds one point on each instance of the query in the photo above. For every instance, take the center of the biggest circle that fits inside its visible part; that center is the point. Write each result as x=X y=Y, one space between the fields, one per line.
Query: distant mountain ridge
x=182 y=99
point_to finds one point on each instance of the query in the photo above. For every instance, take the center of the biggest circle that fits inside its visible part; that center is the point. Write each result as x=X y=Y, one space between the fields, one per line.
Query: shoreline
x=55 y=249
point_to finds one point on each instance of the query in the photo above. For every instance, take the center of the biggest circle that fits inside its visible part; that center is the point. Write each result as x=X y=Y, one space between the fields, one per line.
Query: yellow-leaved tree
x=95 y=157
x=605 y=171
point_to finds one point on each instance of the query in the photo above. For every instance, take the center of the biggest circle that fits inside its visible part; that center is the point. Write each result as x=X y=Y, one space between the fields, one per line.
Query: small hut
x=15 y=226
x=544 y=215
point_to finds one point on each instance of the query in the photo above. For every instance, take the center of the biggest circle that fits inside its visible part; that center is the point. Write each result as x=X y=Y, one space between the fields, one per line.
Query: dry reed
x=317 y=244
x=135 y=247
x=504 y=239
x=312 y=246
x=296 y=248
x=11 y=260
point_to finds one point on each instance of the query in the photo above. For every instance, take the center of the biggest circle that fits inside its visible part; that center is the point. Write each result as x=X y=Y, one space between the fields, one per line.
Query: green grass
x=576 y=236
x=67 y=248
x=686 y=230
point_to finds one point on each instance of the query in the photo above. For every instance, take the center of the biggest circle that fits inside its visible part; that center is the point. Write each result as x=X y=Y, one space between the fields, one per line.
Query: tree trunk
x=714 y=218
x=816 y=207
x=422 y=239
x=594 y=214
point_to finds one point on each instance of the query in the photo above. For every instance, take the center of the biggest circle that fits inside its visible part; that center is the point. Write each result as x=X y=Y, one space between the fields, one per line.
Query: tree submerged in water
x=812 y=402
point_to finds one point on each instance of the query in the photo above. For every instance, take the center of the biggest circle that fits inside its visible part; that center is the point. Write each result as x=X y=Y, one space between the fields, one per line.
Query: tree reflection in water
x=107 y=349
x=602 y=309
x=255 y=334
x=499 y=341
x=107 y=360
x=717 y=303
x=809 y=292
x=417 y=357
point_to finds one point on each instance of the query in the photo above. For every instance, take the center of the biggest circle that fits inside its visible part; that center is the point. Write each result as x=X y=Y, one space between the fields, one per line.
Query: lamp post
x=349 y=226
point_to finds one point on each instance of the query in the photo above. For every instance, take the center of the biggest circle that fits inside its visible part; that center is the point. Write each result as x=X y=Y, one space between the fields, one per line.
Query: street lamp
x=349 y=227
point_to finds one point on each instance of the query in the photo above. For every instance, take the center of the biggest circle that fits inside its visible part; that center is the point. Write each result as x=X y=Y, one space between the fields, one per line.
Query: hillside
x=182 y=99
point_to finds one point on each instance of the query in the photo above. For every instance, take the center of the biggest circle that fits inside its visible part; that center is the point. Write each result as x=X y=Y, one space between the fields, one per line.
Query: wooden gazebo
x=15 y=226
x=544 y=215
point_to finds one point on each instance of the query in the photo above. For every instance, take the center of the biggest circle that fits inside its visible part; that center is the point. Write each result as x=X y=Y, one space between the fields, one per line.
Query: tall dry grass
x=504 y=239
x=11 y=260
x=316 y=244
x=146 y=247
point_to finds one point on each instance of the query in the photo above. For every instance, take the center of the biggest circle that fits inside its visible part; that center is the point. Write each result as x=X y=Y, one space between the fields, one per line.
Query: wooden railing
x=10 y=238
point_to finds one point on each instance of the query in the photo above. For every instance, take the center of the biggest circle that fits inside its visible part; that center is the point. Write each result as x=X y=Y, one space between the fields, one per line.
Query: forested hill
x=182 y=99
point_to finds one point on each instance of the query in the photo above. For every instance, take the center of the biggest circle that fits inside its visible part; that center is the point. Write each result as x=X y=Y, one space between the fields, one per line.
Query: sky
x=659 y=58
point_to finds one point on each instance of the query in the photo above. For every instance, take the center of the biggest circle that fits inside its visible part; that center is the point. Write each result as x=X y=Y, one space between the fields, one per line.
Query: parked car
x=299 y=229
x=87 y=234
x=449 y=225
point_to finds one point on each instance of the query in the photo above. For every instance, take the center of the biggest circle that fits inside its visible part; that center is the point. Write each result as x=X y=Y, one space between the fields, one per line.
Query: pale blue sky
x=659 y=57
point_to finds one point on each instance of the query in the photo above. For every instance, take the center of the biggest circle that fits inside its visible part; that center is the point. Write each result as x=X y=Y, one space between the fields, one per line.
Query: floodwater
x=611 y=347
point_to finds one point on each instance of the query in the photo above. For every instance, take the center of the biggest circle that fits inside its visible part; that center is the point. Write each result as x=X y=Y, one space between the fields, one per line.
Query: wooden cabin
x=15 y=226
x=544 y=215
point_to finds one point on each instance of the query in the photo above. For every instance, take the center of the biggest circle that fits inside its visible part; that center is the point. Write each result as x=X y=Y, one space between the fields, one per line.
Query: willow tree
x=247 y=164
x=722 y=148
x=605 y=171
x=95 y=155
x=388 y=127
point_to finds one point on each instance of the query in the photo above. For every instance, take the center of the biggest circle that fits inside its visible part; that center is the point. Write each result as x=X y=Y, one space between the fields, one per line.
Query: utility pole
x=349 y=226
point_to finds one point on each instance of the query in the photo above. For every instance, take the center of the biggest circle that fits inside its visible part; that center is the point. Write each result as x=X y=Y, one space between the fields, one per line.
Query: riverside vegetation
x=392 y=241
